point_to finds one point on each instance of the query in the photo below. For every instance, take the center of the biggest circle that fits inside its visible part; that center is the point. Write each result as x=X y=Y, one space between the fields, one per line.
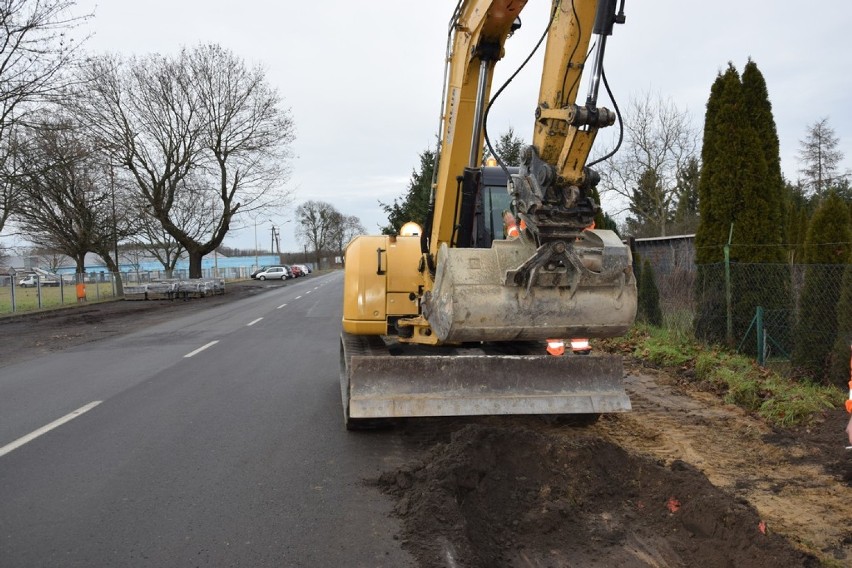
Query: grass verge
x=738 y=379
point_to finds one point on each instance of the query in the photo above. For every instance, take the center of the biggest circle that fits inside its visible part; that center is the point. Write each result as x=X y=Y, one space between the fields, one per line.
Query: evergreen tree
x=756 y=97
x=725 y=139
x=827 y=249
x=798 y=211
x=645 y=206
x=740 y=197
x=840 y=354
x=686 y=215
x=718 y=200
x=414 y=205
x=820 y=157
x=649 y=296
x=508 y=149
x=602 y=219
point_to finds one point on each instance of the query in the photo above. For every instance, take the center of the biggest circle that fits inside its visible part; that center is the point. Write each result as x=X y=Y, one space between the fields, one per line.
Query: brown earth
x=682 y=480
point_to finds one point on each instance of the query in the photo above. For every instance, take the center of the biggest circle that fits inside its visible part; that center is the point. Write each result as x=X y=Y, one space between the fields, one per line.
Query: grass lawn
x=26 y=299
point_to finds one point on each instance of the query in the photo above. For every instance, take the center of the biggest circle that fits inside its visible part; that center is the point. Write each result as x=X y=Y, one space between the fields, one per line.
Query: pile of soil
x=502 y=495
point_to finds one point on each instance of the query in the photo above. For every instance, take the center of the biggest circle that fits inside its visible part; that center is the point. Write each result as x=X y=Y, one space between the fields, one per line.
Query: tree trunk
x=195 y=264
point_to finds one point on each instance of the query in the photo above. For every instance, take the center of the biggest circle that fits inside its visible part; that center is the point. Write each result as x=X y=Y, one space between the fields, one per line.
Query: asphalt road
x=233 y=456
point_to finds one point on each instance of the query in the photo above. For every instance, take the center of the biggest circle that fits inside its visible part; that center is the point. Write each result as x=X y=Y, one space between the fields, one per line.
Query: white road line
x=200 y=349
x=45 y=429
x=251 y=323
x=308 y=292
x=297 y=297
x=281 y=306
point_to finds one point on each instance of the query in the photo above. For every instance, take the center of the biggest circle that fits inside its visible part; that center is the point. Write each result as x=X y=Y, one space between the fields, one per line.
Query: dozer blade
x=387 y=386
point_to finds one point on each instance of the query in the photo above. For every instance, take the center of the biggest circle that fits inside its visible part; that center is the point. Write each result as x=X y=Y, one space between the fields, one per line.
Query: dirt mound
x=509 y=496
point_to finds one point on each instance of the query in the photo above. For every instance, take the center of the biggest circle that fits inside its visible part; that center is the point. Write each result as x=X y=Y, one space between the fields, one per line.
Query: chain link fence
x=793 y=317
x=28 y=292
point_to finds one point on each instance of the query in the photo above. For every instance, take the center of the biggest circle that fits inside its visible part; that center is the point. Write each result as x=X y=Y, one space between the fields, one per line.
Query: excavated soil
x=682 y=480
x=513 y=496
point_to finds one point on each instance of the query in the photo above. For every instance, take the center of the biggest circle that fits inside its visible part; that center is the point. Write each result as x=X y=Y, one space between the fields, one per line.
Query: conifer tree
x=756 y=97
x=841 y=353
x=827 y=249
x=711 y=231
x=414 y=205
x=717 y=200
x=686 y=213
x=649 y=296
x=741 y=198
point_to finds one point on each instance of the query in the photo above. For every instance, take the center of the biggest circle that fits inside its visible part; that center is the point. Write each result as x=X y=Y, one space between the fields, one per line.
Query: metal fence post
x=729 y=310
x=761 y=340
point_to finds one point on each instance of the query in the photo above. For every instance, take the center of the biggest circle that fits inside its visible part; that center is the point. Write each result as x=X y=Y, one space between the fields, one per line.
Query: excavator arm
x=478 y=31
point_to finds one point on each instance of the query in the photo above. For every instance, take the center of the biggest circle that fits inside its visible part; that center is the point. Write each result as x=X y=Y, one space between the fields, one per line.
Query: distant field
x=26 y=299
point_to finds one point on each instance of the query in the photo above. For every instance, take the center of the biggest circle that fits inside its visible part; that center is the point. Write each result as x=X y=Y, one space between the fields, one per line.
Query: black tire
x=261 y=277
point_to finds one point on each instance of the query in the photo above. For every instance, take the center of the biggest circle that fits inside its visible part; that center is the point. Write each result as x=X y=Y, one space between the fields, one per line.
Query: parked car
x=273 y=273
x=254 y=274
x=294 y=268
x=305 y=268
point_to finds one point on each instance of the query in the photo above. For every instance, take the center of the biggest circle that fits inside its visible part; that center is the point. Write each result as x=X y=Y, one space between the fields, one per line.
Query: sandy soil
x=682 y=480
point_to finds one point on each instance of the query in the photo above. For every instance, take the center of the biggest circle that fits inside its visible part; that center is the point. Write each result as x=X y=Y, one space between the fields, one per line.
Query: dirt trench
x=682 y=480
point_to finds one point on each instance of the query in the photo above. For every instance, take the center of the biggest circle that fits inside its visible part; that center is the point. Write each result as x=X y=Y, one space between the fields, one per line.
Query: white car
x=273 y=273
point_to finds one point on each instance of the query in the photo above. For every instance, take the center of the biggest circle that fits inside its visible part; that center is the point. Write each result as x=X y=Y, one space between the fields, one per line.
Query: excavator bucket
x=514 y=291
x=380 y=380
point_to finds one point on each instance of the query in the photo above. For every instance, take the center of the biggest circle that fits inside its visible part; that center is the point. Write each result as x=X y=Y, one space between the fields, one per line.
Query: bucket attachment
x=378 y=381
x=514 y=291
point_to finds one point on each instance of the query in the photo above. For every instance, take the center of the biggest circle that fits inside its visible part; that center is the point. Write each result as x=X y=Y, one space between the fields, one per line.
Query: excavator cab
x=492 y=200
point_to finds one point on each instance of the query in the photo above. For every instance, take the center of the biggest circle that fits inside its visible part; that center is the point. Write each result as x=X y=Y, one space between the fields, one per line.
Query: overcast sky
x=363 y=79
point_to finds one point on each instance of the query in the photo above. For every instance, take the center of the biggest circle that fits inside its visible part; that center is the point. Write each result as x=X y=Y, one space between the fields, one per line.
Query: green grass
x=739 y=380
x=26 y=299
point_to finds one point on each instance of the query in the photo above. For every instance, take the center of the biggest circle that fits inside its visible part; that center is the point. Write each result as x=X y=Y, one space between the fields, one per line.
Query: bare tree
x=318 y=223
x=200 y=126
x=35 y=49
x=156 y=241
x=659 y=144
x=345 y=229
x=67 y=205
x=820 y=157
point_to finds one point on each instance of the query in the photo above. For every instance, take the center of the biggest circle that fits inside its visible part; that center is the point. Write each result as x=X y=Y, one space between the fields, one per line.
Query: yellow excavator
x=453 y=318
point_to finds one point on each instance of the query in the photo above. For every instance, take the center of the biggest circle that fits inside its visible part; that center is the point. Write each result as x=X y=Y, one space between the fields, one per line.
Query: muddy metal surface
x=682 y=480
